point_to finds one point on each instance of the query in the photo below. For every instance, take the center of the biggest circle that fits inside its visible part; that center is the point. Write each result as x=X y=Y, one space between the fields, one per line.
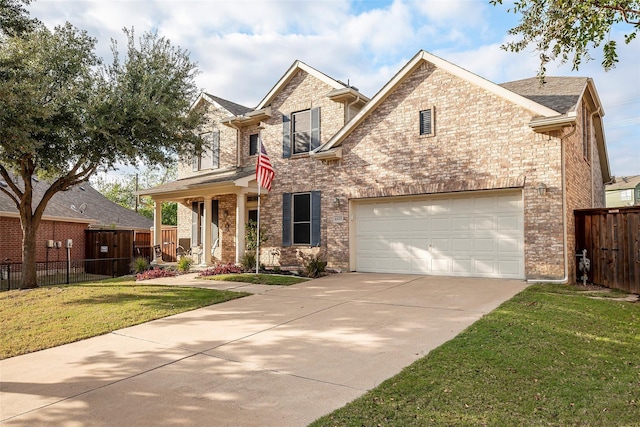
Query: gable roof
x=561 y=94
x=81 y=203
x=233 y=108
x=291 y=72
x=421 y=57
x=624 y=183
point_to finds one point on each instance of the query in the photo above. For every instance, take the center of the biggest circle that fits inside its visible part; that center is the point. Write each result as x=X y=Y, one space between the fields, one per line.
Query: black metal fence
x=64 y=272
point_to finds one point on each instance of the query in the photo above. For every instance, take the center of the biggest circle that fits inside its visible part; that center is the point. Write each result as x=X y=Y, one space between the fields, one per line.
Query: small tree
x=251 y=235
x=65 y=115
x=561 y=28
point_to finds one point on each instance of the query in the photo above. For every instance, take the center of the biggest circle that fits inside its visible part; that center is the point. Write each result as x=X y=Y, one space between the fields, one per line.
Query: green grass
x=259 y=279
x=552 y=355
x=50 y=316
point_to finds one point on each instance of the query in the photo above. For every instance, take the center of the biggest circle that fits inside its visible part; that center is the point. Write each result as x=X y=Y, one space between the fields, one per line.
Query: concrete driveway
x=280 y=358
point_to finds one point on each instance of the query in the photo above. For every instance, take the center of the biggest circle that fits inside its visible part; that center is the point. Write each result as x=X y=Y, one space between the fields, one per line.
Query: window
x=300 y=132
x=625 y=195
x=586 y=133
x=301 y=219
x=210 y=157
x=253 y=144
x=426 y=122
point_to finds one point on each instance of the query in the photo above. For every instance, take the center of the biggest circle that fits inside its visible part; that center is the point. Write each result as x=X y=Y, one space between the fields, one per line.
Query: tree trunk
x=29 y=274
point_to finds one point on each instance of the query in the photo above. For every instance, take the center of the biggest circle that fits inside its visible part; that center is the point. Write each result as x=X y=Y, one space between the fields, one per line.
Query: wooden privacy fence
x=612 y=239
x=143 y=245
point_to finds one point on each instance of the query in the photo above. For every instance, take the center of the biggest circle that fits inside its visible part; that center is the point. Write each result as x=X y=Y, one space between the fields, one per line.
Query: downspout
x=593 y=190
x=349 y=104
x=564 y=217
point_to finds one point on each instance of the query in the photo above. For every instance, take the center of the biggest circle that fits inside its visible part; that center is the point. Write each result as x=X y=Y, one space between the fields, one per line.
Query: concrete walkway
x=281 y=357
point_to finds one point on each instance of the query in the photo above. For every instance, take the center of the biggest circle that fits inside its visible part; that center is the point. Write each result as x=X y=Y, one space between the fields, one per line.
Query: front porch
x=213 y=210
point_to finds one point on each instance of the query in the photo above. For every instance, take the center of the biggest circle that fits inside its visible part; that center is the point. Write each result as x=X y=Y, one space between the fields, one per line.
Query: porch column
x=240 y=226
x=157 y=230
x=206 y=239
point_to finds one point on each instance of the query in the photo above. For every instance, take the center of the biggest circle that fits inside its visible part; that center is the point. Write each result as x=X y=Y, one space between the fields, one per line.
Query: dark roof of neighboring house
x=232 y=107
x=624 y=183
x=561 y=94
x=83 y=203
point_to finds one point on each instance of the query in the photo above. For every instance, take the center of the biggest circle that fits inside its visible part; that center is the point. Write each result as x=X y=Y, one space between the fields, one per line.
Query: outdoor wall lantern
x=337 y=202
x=542 y=189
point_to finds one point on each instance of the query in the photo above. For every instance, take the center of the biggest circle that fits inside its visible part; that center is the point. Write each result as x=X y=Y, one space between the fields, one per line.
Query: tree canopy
x=14 y=18
x=567 y=30
x=64 y=114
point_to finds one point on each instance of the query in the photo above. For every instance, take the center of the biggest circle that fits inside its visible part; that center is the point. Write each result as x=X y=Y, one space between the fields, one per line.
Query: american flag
x=264 y=170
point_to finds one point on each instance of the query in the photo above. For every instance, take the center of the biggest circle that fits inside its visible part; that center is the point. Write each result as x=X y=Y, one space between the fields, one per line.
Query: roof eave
x=333 y=154
x=252 y=117
x=546 y=124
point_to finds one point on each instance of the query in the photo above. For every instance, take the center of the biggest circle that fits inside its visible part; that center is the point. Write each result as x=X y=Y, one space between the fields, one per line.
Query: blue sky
x=243 y=47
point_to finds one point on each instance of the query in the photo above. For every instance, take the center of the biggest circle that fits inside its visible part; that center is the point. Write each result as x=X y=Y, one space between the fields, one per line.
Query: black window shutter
x=315 y=128
x=286 y=219
x=315 y=218
x=215 y=149
x=286 y=136
x=195 y=214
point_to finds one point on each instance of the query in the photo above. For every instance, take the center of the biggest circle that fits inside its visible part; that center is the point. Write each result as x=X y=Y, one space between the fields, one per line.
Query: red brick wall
x=11 y=241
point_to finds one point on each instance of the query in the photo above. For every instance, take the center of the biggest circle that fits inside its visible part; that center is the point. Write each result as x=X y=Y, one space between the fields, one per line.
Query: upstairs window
x=253 y=144
x=426 y=122
x=300 y=132
x=210 y=157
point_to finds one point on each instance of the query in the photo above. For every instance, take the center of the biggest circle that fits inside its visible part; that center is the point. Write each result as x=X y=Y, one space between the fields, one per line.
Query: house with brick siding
x=441 y=172
x=67 y=216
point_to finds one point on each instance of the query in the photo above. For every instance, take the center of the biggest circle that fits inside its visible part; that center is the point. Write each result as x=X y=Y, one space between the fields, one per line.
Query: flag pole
x=258 y=222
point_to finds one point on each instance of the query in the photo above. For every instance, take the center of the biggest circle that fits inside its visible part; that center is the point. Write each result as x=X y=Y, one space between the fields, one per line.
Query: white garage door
x=479 y=236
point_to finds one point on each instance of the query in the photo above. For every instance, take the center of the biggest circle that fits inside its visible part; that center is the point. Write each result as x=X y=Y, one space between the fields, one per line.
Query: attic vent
x=426 y=122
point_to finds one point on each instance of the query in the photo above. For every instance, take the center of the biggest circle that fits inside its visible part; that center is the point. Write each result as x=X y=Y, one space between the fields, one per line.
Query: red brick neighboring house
x=67 y=216
x=441 y=172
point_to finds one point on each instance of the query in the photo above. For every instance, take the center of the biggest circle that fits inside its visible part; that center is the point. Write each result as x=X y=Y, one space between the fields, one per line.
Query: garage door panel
x=463 y=235
x=484 y=223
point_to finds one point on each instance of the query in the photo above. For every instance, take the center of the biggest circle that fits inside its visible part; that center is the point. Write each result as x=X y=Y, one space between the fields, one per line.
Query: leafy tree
x=561 y=28
x=14 y=18
x=64 y=114
x=123 y=191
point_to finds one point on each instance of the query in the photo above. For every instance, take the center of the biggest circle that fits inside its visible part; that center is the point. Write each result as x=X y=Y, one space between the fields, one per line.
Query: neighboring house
x=441 y=172
x=624 y=191
x=67 y=215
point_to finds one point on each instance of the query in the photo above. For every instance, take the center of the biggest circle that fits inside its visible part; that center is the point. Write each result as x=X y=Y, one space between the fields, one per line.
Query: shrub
x=314 y=266
x=156 y=273
x=184 y=264
x=221 y=269
x=248 y=261
x=139 y=264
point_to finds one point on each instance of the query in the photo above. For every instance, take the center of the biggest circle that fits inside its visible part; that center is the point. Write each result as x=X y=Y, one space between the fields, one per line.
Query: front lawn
x=259 y=279
x=50 y=316
x=552 y=355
